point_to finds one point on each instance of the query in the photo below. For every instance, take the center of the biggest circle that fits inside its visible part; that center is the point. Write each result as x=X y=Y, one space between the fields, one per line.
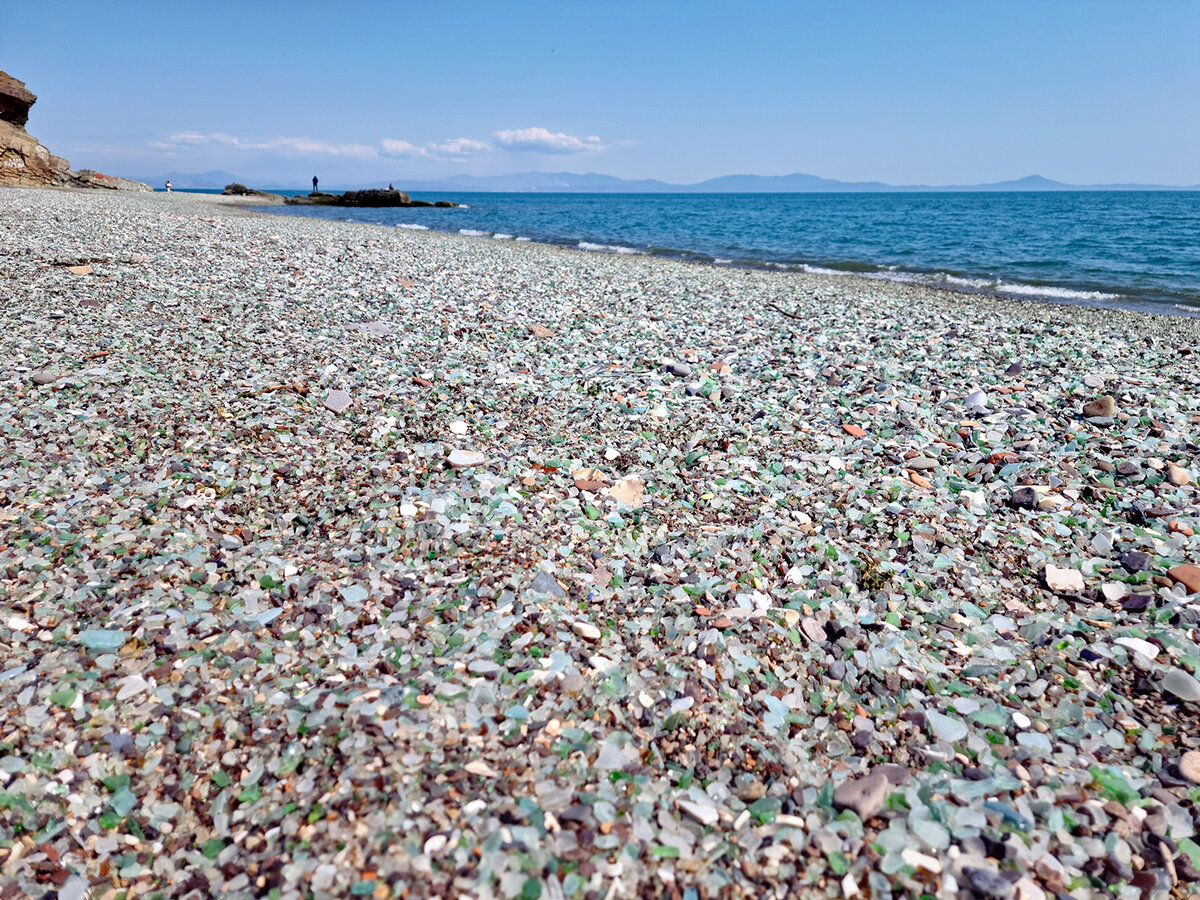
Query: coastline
x=742 y=586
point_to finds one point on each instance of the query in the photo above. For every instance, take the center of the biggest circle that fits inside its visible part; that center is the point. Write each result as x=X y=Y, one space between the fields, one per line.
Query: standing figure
x=314 y=184
x=168 y=185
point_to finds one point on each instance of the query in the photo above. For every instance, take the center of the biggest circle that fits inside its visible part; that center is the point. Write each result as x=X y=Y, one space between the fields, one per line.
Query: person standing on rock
x=314 y=184
x=168 y=185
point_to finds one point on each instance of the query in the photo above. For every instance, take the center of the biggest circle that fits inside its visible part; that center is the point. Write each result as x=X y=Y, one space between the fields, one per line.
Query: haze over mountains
x=590 y=182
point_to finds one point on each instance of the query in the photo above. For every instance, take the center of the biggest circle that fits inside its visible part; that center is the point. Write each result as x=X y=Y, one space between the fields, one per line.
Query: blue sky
x=905 y=92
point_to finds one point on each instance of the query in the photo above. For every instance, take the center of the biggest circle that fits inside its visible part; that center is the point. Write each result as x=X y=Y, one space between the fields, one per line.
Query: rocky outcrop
x=89 y=178
x=240 y=190
x=24 y=161
x=15 y=100
x=373 y=198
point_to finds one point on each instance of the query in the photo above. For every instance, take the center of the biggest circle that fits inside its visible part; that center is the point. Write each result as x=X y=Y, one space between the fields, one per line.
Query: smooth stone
x=545 y=583
x=1064 y=581
x=976 y=402
x=1095 y=382
x=1182 y=685
x=1189 y=766
x=337 y=401
x=865 y=795
x=1114 y=591
x=989 y=884
x=1135 y=560
x=1100 y=408
x=705 y=815
x=1187 y=575
x=813 y=629
x=945 y=728
x=1015 y=368
x=1178 y=476
x=586 y=630
x=1024 y=498
x=676 y=368
x=921 y=463
x=103 y=639
x=230 y=542
x=1137 y=645
x=465 y=459
x=629 y=490
x=44 y=377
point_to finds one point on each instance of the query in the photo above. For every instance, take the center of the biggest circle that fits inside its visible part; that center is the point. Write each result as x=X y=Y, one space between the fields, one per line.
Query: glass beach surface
x=1120 y=249
x=339 y=559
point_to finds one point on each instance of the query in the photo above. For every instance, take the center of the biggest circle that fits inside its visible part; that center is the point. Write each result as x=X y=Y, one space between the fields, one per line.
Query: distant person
x=390 y=188
x=314 y=184
x=168 y=185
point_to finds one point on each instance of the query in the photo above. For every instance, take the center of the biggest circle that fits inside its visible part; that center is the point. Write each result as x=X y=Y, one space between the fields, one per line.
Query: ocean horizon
x=1135 y=250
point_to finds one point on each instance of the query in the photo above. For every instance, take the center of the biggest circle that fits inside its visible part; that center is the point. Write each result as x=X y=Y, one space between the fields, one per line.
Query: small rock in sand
x=463 y=459
x=1064 y=581
x=1102 y=407
x=338 y=401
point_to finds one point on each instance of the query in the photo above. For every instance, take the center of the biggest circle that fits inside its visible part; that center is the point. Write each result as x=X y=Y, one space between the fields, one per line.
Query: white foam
x=722 y=262
x=523 y=238
x=471 y=232
x=409 y=226
x=1037 y=290
x=502 y=237
x=608 y=248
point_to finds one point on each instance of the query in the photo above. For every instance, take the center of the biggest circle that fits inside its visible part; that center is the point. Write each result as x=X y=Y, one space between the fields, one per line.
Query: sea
x=1123 y=249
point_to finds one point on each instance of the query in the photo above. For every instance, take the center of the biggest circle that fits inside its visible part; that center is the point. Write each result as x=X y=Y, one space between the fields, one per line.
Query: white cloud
x=542 y=140
x=288 y=146
x=452 y=149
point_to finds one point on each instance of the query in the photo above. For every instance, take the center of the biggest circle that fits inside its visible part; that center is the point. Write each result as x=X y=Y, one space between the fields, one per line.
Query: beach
x=347 y=560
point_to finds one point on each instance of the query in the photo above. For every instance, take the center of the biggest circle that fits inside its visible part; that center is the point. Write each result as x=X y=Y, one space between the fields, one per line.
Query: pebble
x=43 y=377
x=545 y=583
x=1182 y=685
x=988 y=884
x=629 y=490
x=1064 y=581
x=1189 y=766
x=865 y=795
x=586 y=630
x=465 y=459
x=1187 y=575
x=1102 y=407
x=945 y=728
x=1178 y=476
x=337 y=401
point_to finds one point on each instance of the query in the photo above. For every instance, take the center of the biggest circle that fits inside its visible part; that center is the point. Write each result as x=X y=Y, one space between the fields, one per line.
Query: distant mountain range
x=568 y=182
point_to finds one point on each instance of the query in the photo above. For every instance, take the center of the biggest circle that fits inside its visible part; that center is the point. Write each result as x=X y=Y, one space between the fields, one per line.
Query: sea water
x=1127 y=249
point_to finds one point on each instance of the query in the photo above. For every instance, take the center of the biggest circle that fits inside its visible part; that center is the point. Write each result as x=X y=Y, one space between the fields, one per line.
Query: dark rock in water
x=372 y=198
x=1024 y=498
x=375 y=198
x=240 y=190
x=445 y=204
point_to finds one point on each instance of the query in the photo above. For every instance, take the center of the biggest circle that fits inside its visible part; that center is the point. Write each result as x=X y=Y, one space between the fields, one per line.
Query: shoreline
x=1067 y=294
x=345 y=559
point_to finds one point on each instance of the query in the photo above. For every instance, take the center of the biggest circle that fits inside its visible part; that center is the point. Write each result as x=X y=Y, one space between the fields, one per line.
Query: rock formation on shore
x=24 y=161
x=237 y=189
x=371 y=197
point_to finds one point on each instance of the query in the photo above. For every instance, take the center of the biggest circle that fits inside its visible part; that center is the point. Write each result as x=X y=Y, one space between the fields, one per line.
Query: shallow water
x=1132 y=249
